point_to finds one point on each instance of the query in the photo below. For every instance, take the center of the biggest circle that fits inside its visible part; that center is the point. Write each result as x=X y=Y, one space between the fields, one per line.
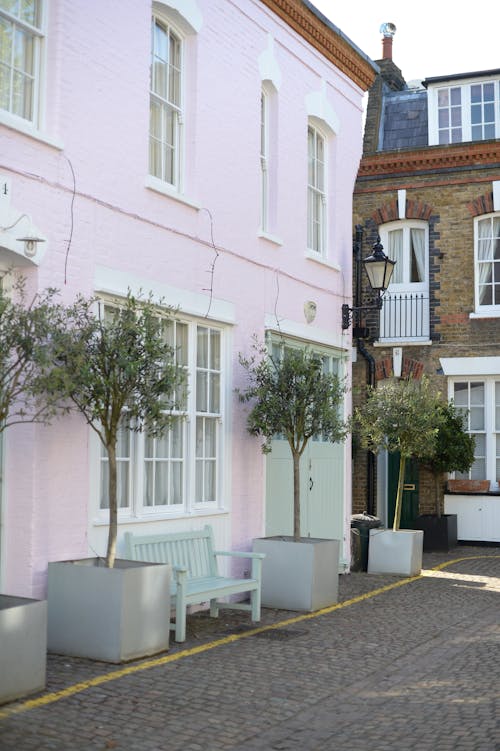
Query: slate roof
x=404 y=119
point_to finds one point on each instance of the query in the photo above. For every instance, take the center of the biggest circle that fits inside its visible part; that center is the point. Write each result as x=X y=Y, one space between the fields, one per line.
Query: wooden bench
x=195 y=573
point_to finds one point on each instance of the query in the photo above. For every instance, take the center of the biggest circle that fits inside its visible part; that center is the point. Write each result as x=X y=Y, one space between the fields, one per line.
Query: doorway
x=409 y=507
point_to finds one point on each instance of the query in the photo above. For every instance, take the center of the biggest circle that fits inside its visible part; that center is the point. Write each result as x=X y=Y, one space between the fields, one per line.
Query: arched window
x=316 y=190
x=166 y=106
x=405 y=312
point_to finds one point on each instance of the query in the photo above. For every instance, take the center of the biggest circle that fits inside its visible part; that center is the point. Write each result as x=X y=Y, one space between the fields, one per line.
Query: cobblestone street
x=398 y=665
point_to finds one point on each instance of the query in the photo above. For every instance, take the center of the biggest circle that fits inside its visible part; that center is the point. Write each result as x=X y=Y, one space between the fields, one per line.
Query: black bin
x=360 y=538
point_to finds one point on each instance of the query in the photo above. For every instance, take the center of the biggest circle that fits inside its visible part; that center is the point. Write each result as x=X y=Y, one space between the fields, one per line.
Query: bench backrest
x=192 y=550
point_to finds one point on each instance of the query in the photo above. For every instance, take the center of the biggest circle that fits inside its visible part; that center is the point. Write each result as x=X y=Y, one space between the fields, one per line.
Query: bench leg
x=214 y=610
x=180 y=624
x=255 y=600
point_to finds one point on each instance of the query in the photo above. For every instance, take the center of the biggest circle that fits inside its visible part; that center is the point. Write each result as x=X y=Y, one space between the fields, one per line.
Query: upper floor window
x=464 y=112
x=405 y=313
x=487 y=243
x=316 y=191
x=20 y=51
x=264 y=159
x=166 y=114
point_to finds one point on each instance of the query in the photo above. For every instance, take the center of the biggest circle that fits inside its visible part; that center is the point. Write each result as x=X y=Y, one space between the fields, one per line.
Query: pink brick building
x=204 y=150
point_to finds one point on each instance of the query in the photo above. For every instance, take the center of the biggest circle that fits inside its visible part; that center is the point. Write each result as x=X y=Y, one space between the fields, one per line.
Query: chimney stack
x=387 y=30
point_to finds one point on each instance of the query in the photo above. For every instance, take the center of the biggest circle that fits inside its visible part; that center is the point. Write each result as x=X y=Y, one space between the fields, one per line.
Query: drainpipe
x=370 y=457
x=370 y=465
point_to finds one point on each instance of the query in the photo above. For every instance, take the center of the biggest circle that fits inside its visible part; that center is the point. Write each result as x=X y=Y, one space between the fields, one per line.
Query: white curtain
x=485 y=253
x=418 y=245
x=395 y=252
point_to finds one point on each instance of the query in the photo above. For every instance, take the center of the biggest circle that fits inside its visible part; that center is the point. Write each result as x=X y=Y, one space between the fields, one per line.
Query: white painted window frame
x=490 y=431
x=31 y=125
x=314 y=191
x=406 y=286
x=465 y=87
x=264 y=159
x=137 y=509
x=177 y=182
x=488 y=311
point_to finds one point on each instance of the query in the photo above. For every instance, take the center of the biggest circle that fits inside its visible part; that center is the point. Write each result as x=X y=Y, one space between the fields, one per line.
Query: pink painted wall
x=97 y=108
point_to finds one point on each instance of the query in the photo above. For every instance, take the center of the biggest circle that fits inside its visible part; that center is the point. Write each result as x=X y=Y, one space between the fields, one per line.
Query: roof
x=461 y=76
x=404 y=119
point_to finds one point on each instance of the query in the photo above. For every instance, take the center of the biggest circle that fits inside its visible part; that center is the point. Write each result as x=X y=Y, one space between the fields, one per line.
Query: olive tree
x=293 y=396
x=117 y=368
x=27 y=329
x=400 y=416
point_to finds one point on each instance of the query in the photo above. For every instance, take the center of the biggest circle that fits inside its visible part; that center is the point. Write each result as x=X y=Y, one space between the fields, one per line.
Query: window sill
x=490 y=313
x=402 y=342
x=311 y=255
x=99 y=521
x=152 y=183
x=270 y=238
x=27 y=129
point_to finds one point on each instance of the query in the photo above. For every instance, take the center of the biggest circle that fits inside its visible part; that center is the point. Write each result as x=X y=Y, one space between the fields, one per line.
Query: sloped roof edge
x=304 y=18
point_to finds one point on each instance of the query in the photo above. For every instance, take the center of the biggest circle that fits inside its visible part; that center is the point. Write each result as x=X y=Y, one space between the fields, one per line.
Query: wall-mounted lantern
x=379 y=269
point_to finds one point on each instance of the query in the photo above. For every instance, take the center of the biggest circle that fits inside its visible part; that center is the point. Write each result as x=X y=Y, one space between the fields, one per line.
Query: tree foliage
x=454 y=449
x=400 y=416
x=293 y=396
x=27 y=329
x=117 y=368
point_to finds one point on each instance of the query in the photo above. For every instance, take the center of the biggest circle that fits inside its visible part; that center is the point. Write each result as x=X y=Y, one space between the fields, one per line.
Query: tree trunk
x=296 y=495
x=399 y=496
x=113 y=507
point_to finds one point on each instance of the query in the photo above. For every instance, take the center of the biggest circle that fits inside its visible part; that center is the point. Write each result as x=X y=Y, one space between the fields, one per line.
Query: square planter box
x=23 y=646
x=114 y=615
x=299 y=575
x=398 y=552
x=440 y=532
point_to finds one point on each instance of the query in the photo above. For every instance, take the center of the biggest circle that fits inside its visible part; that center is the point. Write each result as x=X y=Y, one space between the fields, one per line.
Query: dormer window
x=463 y=111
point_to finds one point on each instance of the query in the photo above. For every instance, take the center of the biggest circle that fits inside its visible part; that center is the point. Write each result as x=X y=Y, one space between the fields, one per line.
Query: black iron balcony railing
x=404 y=315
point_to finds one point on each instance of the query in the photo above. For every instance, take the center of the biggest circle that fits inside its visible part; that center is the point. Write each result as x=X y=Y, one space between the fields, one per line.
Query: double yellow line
x=114 y=675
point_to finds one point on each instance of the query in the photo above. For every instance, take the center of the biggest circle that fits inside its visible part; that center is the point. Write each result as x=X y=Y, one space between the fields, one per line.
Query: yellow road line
x=148 y=664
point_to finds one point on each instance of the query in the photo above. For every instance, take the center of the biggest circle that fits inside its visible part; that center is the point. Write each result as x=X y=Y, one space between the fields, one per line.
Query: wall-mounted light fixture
x=30 y=245
x=379 y=270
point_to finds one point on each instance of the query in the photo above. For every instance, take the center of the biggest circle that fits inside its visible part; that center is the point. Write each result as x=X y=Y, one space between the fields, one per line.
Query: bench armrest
x=256 y=559
x=240 y=554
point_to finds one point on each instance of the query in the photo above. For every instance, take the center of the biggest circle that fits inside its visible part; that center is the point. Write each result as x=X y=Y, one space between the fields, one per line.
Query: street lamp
x=379 y=270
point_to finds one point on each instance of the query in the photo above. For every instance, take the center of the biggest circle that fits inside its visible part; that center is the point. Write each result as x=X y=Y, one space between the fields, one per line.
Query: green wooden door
x=409 y=508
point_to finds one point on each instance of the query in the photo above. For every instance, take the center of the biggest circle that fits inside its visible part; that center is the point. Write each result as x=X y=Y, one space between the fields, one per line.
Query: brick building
x=429 y=186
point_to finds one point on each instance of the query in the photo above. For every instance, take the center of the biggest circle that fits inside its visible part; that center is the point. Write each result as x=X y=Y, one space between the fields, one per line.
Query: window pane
x=201 y=391
x=214 y=392
x=202 y=347
x=176 y=483
x=443 y=97
x=215 y=349
x=161 y=484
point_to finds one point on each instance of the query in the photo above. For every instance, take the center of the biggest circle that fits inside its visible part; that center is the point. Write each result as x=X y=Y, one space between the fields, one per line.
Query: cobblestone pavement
x=414 y=667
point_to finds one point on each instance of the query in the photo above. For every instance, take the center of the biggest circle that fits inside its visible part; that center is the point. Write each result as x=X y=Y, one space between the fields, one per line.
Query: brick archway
x=481 y=205
x=414 y=210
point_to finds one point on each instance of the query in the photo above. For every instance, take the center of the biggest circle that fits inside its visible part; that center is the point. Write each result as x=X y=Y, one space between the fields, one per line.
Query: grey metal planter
x=107 y=614
x=299 y=575
x=23 y=646
x=395 y=552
